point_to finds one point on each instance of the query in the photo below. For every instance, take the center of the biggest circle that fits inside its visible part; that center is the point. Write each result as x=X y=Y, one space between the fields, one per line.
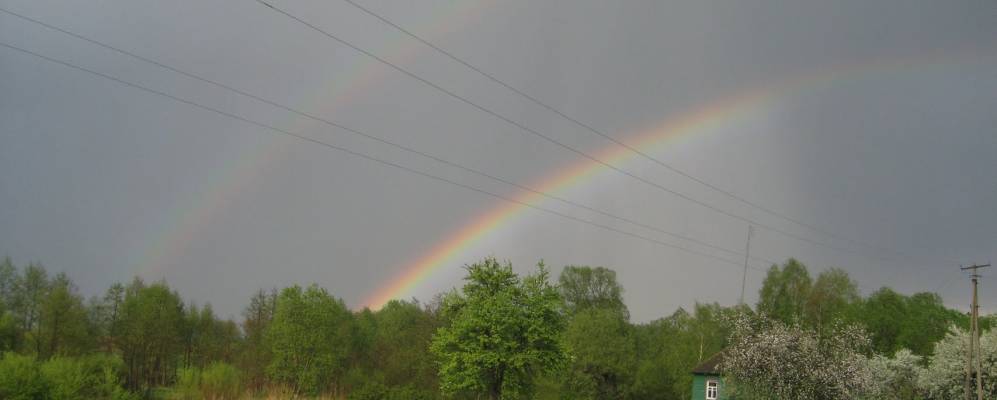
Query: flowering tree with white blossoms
x=945 y=376
x=768 y=359
x=895 y=378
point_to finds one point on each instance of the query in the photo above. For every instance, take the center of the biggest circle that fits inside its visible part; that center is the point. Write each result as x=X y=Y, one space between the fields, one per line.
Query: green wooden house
x=706 y=381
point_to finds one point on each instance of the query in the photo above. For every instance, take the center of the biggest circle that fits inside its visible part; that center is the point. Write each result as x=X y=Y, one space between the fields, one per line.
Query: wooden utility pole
x=747 y=254
x=974 y=337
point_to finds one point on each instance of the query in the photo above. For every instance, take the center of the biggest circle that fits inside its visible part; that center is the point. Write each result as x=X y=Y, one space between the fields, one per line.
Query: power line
x=376 y=138
x=548 y=138
x=364 y=155
x=613 y=139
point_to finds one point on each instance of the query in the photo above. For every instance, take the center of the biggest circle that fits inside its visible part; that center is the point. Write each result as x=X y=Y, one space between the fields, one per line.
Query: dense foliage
x=502 y=335
x=501 y=332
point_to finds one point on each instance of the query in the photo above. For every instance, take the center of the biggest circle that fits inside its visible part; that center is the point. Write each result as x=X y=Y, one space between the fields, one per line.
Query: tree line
x=500 y=335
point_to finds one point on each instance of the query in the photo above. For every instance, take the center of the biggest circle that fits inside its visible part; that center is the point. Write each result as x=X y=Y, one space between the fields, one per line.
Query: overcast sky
x=878 y=125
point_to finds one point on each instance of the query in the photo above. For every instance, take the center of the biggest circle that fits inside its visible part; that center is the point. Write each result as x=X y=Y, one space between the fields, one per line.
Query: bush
x=66 y=378
x=188 y=384
x=220 y=381
x=96 y=376
x=106 y=373
x=20 y=378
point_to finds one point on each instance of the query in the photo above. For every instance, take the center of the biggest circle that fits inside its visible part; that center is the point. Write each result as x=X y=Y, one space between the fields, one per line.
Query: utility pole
x=747 y=254
x=974 y=338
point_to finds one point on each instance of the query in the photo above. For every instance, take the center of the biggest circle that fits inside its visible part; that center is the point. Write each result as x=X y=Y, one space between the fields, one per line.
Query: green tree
x=255 y=355
x=785 y=292
x=598 y=336
x=832 y=299
x=32 y=290
x=63 y=325
x=149 y=334
x=602 y=351
x=927 y=321
x=9 y=282
x=400 y=346
x=501 y=332
x=309 y=340
x=587 y=287
x=884 y=315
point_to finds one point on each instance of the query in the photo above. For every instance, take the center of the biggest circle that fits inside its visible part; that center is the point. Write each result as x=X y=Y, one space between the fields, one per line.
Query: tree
x=832 y=298
x=309 y=340
x=602 y=351
x=944 y=377
x=110 y=314
x=501 y=332
x=884 y=316
x=255 y=355
x=770 y=359
x=785 y=292
x=895 y=378
x=588 y=287
x=9 y=282
x=400 y=346
x=927 y=321
x=32 y=290
x=149 y=333
x=63 y=323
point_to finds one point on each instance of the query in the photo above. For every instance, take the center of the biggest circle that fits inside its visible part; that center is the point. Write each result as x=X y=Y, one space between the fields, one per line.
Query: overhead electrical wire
x=377 y=138
x=368 y=156
x=613 y=139
x=549 y=139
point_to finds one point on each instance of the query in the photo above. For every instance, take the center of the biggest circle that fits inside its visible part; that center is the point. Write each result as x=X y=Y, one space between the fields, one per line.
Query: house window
x=711 y=390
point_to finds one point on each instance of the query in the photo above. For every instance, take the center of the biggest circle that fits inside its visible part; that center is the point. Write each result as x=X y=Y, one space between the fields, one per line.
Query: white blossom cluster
x=896 y=377
x=768 y=359
x=944 y=377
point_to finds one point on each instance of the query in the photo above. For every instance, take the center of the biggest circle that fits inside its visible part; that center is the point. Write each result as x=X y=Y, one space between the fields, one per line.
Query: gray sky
x=877 y=125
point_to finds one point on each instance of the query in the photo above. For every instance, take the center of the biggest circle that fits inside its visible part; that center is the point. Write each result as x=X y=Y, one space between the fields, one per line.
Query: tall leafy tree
x=63 y=323
x=32 y=290
x=255 y=355
x=501 y=332
x=603 y=353
x=591 y=287
x=927 y=322
x=309 y=340
x=10 y=303
x=9 y=282
x=884 y=315
x=833 y=297
x=149 y=334
x=404 y=331
x=785 y=292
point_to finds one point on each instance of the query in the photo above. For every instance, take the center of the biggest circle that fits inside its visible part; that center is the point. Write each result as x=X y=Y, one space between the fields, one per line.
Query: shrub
x=220 y=381
x=96 y=376
x=20 y=378
x=66 y=378
x=188 y=384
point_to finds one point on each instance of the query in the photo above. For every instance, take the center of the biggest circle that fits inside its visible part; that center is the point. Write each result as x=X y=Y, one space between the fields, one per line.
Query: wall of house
x=699 y=387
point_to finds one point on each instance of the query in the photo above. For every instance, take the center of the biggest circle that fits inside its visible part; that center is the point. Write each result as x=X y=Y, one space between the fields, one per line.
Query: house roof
x=711 y=366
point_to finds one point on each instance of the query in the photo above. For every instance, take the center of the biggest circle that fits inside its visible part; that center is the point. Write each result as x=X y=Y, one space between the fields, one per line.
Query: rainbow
x=710 y=117
x=181 y=224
